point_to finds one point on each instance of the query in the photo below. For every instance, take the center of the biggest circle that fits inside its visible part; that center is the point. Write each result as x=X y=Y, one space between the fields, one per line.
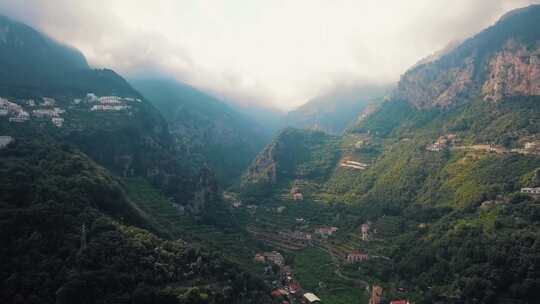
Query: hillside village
x=453 y=142
x=280 y=225
x=289 y=234
x=19 y=111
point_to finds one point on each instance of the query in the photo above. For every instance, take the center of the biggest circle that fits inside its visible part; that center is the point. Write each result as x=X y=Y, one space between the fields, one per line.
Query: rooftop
x=311 y=297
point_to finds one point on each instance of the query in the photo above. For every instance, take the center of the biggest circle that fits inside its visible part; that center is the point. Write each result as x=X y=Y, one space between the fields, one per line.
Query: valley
x=150 y=190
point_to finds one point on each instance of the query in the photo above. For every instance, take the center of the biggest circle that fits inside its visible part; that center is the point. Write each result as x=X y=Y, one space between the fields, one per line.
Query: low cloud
x=275 y=52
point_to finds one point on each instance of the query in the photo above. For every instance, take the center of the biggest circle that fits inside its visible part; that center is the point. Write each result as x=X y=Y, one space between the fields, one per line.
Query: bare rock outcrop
x=501 y=61
x=514 y=71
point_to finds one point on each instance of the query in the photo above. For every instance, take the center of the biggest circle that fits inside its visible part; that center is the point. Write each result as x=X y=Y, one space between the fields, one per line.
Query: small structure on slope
x=311 y=298
x=531 y=191
x=296 y=194
x=364 y=229
x=354 y=165
x=326 y=231
x=356 y=256
x=5 y=140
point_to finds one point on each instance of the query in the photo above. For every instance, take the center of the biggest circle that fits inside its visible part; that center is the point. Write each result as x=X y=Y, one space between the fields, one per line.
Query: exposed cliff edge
x=501 y=61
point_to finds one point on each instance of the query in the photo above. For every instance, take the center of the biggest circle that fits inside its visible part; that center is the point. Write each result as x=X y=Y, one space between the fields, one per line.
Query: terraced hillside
x=441 y=179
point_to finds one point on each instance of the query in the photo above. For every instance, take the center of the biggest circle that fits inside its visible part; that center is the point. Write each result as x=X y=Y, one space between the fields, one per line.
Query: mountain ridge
x=463 y=73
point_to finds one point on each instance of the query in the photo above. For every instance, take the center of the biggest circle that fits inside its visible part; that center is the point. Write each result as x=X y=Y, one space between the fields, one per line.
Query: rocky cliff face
x=514 y=71
x=501 y=61
x=294 y=154
x=430 y=85
x=263 y=168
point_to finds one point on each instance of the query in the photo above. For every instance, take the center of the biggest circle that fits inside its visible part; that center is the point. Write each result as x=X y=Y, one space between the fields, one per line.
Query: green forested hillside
x=204 y=125
x=58 y=177
x=48 y=193
x=461 y=231
x=293 y=154
x=436 y=173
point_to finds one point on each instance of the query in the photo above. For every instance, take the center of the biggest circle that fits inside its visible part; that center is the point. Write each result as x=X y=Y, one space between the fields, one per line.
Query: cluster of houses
x=273 y=257
x=354 y=165
x=532 y=147
x=17 y=114
x=47 y=109
x=286 y=288
x=531 y=191
x=52 y=113
x=443 y=142
x=106 y=103
x=109 y=103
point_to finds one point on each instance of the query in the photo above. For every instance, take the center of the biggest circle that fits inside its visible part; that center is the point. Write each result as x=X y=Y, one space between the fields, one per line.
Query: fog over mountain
x=273 y=53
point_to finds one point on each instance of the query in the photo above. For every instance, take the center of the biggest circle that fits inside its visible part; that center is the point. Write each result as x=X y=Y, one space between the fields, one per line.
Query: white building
x=311 y=298
x=21 y=116
x=105 y=107
x=531 y=191
x=110 y=100
x=40 y=113
x=57 y=121
x=3 y=111
x=5 y=140
x=48 y=102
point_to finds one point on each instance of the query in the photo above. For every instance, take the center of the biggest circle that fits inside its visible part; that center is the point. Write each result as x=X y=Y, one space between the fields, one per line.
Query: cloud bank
x=275 y=52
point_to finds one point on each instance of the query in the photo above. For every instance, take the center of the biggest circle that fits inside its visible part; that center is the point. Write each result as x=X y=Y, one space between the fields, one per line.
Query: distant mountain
x=335 y=111
x=203 y=124
x=270 y=119
x=501 y=61
x=33 y=63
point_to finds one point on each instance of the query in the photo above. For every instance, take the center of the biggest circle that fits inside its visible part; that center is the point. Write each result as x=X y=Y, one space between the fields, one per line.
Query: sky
x=275 y=53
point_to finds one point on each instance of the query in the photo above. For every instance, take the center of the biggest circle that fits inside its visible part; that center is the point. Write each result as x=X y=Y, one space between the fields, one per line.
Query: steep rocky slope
x=293 y=154
x=501 y=61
